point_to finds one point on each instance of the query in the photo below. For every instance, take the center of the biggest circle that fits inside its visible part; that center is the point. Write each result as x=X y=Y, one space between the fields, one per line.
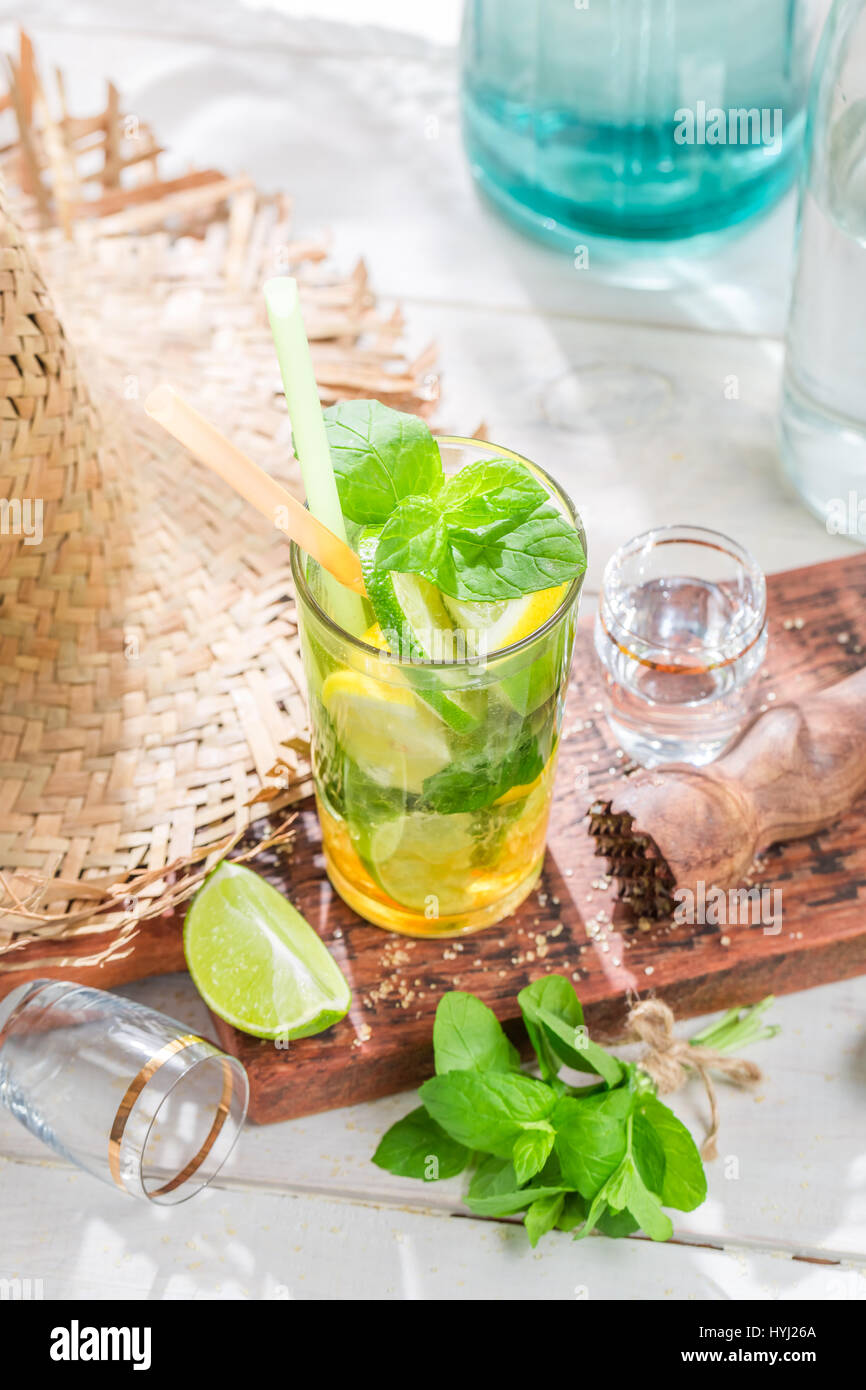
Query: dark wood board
x=385 y=1043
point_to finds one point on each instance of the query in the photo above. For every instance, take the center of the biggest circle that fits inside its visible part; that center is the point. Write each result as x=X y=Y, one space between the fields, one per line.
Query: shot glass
x=681 y=634
x=118 y=1089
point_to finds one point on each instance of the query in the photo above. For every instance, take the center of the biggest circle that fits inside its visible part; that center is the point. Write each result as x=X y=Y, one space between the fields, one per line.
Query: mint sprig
x=490 y=532
x=380 y=456
x=608 y=1156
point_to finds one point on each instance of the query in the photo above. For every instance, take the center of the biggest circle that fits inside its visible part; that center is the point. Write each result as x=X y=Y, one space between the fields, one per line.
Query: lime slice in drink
x=415 y=623
x=385 y=729
x=492 y=626
x=424 y=856
x=256 y=962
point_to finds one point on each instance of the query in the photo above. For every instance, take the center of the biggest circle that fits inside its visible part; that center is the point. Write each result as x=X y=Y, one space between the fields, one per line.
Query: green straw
x=308 y=430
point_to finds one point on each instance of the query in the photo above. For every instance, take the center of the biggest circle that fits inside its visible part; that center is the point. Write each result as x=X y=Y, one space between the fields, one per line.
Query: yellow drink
x=434 y=779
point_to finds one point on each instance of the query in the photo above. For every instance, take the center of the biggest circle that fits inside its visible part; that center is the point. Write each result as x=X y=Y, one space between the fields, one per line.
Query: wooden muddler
x=795 y=770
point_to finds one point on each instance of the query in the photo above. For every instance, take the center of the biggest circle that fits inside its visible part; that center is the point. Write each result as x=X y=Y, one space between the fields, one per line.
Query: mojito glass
x=434 y=778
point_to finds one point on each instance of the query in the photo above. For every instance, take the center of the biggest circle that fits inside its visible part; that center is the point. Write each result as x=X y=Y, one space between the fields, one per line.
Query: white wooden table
x=615 y=379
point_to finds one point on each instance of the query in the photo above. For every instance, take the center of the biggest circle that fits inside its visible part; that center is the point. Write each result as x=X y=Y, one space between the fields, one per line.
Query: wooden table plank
x=242 y=1245
x=798 y=1139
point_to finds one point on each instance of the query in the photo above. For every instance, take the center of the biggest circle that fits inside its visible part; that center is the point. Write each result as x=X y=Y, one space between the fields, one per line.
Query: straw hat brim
x=150 y=680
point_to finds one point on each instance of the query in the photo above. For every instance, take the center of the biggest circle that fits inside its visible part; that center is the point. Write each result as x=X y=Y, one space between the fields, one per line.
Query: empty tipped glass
x=118 y=1089
x=681 y=634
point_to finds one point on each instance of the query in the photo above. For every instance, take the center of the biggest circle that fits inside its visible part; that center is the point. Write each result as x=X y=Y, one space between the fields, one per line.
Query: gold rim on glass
x=135 y=1089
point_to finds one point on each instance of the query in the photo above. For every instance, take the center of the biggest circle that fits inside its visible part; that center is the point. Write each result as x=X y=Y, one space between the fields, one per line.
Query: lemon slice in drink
x=255 y=960
x=500 y=624
x=375 y=637
x=391 y=734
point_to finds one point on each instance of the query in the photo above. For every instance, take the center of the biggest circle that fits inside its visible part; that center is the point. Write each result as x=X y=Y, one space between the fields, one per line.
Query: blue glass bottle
x=639 y=119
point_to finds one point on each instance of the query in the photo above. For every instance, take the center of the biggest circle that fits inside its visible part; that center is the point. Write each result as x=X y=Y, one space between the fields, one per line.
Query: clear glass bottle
x=649 y=119
x=823 y=419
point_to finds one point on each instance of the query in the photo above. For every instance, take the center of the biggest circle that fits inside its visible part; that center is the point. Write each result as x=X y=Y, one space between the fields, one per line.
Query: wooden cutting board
x=571 y=924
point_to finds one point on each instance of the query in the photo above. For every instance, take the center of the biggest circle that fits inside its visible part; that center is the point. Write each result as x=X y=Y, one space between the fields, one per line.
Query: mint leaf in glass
x=380 y=456
x=501 y=558
x=476 y=782
x=492 y=488
x=504 y=558
x=414 y=540
x=488 y=533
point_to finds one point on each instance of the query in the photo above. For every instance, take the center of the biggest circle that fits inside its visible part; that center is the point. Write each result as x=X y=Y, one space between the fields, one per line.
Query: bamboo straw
x=308 y=425
x=257 y=487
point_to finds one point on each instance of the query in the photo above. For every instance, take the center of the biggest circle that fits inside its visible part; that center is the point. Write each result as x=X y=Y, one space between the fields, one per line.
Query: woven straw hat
x=149 y=673
x=151 y=692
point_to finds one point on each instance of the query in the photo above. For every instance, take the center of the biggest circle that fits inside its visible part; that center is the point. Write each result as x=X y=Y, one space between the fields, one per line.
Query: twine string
x=668 y=1059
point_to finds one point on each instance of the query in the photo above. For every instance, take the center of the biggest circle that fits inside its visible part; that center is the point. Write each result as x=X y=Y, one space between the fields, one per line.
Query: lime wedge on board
x=256 y=962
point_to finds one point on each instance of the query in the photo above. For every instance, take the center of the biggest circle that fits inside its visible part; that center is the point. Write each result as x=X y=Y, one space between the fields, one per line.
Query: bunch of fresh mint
x=606 y=1156
x=489 y=532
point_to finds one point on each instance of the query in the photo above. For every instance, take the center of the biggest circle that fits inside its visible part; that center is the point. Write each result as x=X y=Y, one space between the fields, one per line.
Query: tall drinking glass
x=434 y=779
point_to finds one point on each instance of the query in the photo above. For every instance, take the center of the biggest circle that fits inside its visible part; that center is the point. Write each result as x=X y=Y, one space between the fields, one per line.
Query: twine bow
x=667 y=1060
